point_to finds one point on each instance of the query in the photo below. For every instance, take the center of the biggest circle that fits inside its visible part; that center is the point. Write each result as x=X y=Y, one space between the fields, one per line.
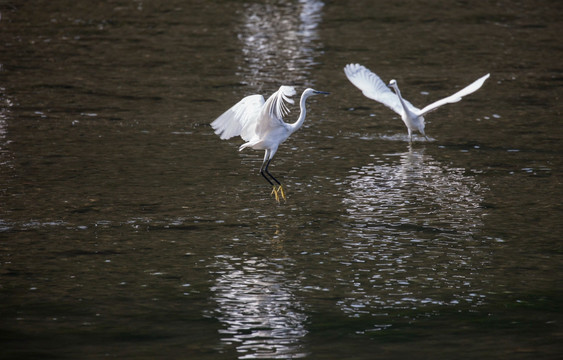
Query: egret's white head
x=308 y=92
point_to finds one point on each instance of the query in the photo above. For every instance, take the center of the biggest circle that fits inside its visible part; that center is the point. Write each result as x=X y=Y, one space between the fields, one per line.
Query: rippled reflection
x=416 y=190
x=261 y=315
x=263 y=319
x=6 y=156
x=414 y=227
x=279 y=41
x=5 y=105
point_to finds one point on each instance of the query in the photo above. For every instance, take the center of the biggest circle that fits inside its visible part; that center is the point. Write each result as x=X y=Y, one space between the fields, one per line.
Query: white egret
x=260 y=123
x=374 y=88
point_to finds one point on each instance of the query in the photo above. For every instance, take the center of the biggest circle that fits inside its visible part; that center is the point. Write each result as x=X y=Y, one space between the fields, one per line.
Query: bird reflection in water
x=417 y=191
x=262 y=317
x=414 y=235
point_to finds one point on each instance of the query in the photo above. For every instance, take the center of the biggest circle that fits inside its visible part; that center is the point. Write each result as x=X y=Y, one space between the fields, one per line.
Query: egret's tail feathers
x=248 y=144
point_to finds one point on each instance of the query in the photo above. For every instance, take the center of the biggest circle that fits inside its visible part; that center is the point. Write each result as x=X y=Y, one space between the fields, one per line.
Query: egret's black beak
x=322 y=92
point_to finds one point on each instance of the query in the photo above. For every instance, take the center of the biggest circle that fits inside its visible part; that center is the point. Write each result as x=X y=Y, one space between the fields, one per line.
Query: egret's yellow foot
x=280 y=189
x=275 y=193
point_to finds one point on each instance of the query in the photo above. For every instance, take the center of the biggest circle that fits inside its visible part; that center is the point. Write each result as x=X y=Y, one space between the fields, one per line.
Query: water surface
x=129 y=230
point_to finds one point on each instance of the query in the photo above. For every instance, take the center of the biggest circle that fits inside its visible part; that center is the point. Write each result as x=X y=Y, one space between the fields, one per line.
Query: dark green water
x=129 y=230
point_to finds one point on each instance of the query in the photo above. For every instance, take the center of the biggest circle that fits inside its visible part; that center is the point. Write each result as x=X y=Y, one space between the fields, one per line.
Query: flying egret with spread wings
x=260 y=123
x=374 y=88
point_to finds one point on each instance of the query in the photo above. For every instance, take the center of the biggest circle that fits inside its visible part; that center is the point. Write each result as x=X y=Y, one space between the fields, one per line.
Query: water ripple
x=413 y=226
x=262 y=317
x=279 y=42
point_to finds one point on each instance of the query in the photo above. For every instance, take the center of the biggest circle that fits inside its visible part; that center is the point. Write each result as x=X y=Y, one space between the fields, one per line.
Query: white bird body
x=410 y=115
x=374 y=88
x=260 y=123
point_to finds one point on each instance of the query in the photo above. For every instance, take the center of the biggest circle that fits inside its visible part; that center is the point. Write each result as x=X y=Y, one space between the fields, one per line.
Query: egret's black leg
x=265 y=164
x=269 y=174
x=263 y=172
x=265 y=177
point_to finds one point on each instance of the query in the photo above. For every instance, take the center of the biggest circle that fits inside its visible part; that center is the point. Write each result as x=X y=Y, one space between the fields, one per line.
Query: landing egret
x=374 y=88
x=260 y=123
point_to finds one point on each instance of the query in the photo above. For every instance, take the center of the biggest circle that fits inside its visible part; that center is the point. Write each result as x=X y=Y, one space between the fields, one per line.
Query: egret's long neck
x=405 y=108
x=296 y=125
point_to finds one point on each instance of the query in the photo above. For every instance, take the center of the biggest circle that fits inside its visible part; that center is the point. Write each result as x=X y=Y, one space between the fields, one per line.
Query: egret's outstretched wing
x=274 y=110
x=240 y=120
x=455 y=97
x=374 y=88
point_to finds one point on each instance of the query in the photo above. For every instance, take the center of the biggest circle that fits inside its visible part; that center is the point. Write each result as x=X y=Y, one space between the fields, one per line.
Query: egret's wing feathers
x=455 y=97
x=276 y=105
x=374 y=88
x=274 y=109
x=240 y=120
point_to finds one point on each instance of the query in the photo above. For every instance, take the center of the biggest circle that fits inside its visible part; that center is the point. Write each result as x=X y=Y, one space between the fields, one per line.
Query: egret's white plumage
x=374 y=88
x=260 y=123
